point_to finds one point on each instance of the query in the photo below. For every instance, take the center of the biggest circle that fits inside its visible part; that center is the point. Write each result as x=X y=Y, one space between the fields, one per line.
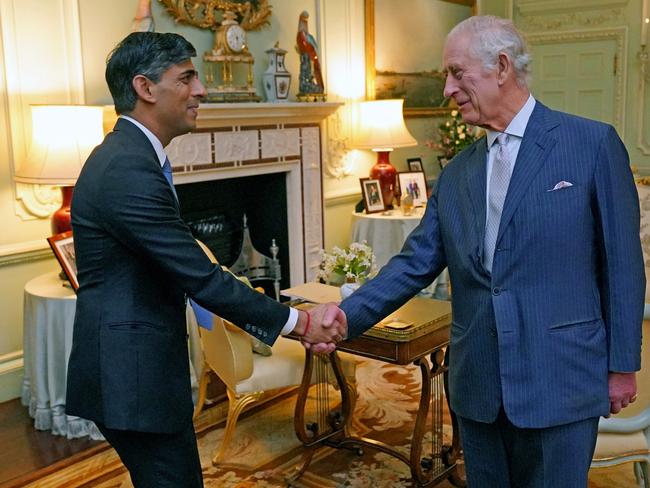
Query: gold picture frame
x=435 y=79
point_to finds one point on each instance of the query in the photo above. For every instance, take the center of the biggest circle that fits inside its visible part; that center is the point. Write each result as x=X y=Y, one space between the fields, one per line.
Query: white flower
x=357 y=261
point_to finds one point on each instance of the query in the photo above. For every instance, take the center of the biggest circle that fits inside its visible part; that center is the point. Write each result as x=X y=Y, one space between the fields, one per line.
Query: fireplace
x=216 y=211
x=263 y=160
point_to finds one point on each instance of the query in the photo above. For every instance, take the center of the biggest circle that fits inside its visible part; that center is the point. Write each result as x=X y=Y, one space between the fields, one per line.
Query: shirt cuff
x=291 y=322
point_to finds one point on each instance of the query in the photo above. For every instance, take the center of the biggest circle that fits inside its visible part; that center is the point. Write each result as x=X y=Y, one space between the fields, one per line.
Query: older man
x=538 y=224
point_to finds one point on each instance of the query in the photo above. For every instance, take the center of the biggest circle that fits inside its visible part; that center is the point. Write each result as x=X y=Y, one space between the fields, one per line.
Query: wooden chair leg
x=203 y=391
x=235 y=407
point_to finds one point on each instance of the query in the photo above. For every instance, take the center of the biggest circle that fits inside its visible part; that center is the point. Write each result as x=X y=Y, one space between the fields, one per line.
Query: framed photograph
x=372 y=197
x=415 y=184
x=63 y=247
x=415 y=164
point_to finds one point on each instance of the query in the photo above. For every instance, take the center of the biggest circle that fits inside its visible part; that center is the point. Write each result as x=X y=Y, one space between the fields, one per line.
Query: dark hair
x=142 y=53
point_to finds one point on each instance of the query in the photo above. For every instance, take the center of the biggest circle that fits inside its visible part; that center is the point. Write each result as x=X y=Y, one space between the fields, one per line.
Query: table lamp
x=382 y=129
x=62 y=138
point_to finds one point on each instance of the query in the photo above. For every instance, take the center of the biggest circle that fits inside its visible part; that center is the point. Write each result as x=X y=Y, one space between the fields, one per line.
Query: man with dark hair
x=137 y=265
x=538 y=224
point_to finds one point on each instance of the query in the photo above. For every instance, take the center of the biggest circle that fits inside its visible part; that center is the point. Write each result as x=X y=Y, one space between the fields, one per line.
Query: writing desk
x=427 y=337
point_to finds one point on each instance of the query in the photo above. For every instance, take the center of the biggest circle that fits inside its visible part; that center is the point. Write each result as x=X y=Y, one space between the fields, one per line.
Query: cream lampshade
x=62 y=138
x=382 y=129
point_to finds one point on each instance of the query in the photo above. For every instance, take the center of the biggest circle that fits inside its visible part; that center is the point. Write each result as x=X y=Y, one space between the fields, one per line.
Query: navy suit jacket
x=564 y=303
x=137 y=261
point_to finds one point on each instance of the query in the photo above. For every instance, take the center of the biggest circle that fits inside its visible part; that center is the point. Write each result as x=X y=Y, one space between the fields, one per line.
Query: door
x=578 y=77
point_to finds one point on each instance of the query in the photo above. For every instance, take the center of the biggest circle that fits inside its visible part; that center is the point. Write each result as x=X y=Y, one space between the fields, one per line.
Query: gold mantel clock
x=229 y=58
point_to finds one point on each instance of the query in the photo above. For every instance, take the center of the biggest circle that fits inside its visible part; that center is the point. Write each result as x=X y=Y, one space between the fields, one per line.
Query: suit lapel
x=477 y=184
x=140 y=139
x=533 y=152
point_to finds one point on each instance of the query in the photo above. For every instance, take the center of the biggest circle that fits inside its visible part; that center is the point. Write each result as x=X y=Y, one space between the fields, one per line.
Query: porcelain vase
x=348 y=289
x=276 y=78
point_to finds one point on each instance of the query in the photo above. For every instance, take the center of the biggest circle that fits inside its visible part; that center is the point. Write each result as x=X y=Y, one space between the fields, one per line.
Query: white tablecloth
x=47 y=339
x=386 y=234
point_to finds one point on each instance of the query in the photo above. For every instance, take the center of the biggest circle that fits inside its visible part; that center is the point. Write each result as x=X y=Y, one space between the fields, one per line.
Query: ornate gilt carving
x=207 y=13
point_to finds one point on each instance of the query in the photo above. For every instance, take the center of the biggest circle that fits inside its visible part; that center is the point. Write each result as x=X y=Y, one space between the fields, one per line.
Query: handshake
x=322 y=327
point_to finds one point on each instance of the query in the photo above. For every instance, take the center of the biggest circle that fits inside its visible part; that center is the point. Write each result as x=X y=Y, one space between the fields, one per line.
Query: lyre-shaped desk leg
x=330 y=425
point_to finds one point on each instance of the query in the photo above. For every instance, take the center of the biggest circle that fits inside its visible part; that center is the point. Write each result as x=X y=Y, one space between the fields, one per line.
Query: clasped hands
x=322 y=327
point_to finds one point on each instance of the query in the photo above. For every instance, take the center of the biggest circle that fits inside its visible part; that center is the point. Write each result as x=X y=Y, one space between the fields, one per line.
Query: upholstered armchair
x=625 y=438
x=228 y=352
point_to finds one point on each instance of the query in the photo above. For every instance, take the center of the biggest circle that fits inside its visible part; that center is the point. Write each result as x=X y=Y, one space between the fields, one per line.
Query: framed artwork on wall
x=413 y=183
x=401 y=63
x=372 y=198
x=63 y=247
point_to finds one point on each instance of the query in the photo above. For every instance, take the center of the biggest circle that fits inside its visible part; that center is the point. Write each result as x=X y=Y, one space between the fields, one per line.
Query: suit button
x=248 y=327
x=496 y=290
x=493 y=332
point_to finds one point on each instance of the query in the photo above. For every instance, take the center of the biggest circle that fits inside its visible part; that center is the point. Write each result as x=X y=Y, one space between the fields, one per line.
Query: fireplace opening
x=215 y=211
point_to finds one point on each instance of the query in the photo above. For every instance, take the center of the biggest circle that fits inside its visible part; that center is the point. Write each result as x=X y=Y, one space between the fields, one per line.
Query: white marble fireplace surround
x=235 y=140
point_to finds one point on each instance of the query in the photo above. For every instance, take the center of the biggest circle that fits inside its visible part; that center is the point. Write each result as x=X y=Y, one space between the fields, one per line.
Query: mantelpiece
x=244 y=139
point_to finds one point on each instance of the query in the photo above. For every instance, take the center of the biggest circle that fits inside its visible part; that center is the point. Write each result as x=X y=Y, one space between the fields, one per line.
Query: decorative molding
x=643 y=138
x=342 y=197
x=191 y=149
x=312 y=200
x=280 y=143
x=338 y=145
x=582 y=18
x=11 y=362
x=213 y=115
x=531 y=7
x=618 y=34
x=33 y=201
x=236 y=146
x=25 y=252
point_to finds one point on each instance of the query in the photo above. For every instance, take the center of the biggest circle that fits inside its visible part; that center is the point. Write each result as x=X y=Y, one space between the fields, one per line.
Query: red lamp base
x=387 y=176
x=61 y=217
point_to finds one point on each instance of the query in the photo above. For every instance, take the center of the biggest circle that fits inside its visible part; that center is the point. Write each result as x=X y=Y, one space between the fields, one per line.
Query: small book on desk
x=416 y=317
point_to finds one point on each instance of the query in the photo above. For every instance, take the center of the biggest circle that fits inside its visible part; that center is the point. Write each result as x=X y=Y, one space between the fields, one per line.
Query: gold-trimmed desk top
x=431 y=321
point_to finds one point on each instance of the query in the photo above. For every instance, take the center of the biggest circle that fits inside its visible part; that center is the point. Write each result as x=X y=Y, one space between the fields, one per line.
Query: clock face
x=235 y=38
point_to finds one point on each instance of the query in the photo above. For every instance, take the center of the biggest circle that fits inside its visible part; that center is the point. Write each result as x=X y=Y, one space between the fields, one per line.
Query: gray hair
x=142 y=53
x=489 y=36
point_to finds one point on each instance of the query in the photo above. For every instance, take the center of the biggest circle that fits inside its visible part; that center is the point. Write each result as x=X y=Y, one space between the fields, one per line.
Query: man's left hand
x=622 y=390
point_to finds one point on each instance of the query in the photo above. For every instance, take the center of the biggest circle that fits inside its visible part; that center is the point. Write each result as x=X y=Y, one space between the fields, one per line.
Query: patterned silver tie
x=499 y=181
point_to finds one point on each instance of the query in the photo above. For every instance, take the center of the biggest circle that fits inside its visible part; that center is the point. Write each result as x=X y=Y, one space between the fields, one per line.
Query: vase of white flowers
x=453 y=136
x=348 y=267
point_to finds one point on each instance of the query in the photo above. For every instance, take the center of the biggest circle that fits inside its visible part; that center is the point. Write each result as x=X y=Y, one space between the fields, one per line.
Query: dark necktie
x=167 y=171
x=499 y=181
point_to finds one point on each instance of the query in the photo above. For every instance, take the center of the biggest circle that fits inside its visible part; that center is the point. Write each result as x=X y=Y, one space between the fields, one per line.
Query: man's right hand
x=327 y=326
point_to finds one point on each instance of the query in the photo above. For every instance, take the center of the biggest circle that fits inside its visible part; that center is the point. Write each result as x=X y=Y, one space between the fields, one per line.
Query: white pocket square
x=560 y=185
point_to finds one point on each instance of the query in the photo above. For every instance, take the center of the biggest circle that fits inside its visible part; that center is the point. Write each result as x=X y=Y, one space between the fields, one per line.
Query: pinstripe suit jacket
x=137 y=260
x=564 y=303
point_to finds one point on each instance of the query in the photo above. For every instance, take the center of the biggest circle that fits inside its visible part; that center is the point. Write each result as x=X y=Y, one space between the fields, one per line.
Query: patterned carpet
x=265 y=450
